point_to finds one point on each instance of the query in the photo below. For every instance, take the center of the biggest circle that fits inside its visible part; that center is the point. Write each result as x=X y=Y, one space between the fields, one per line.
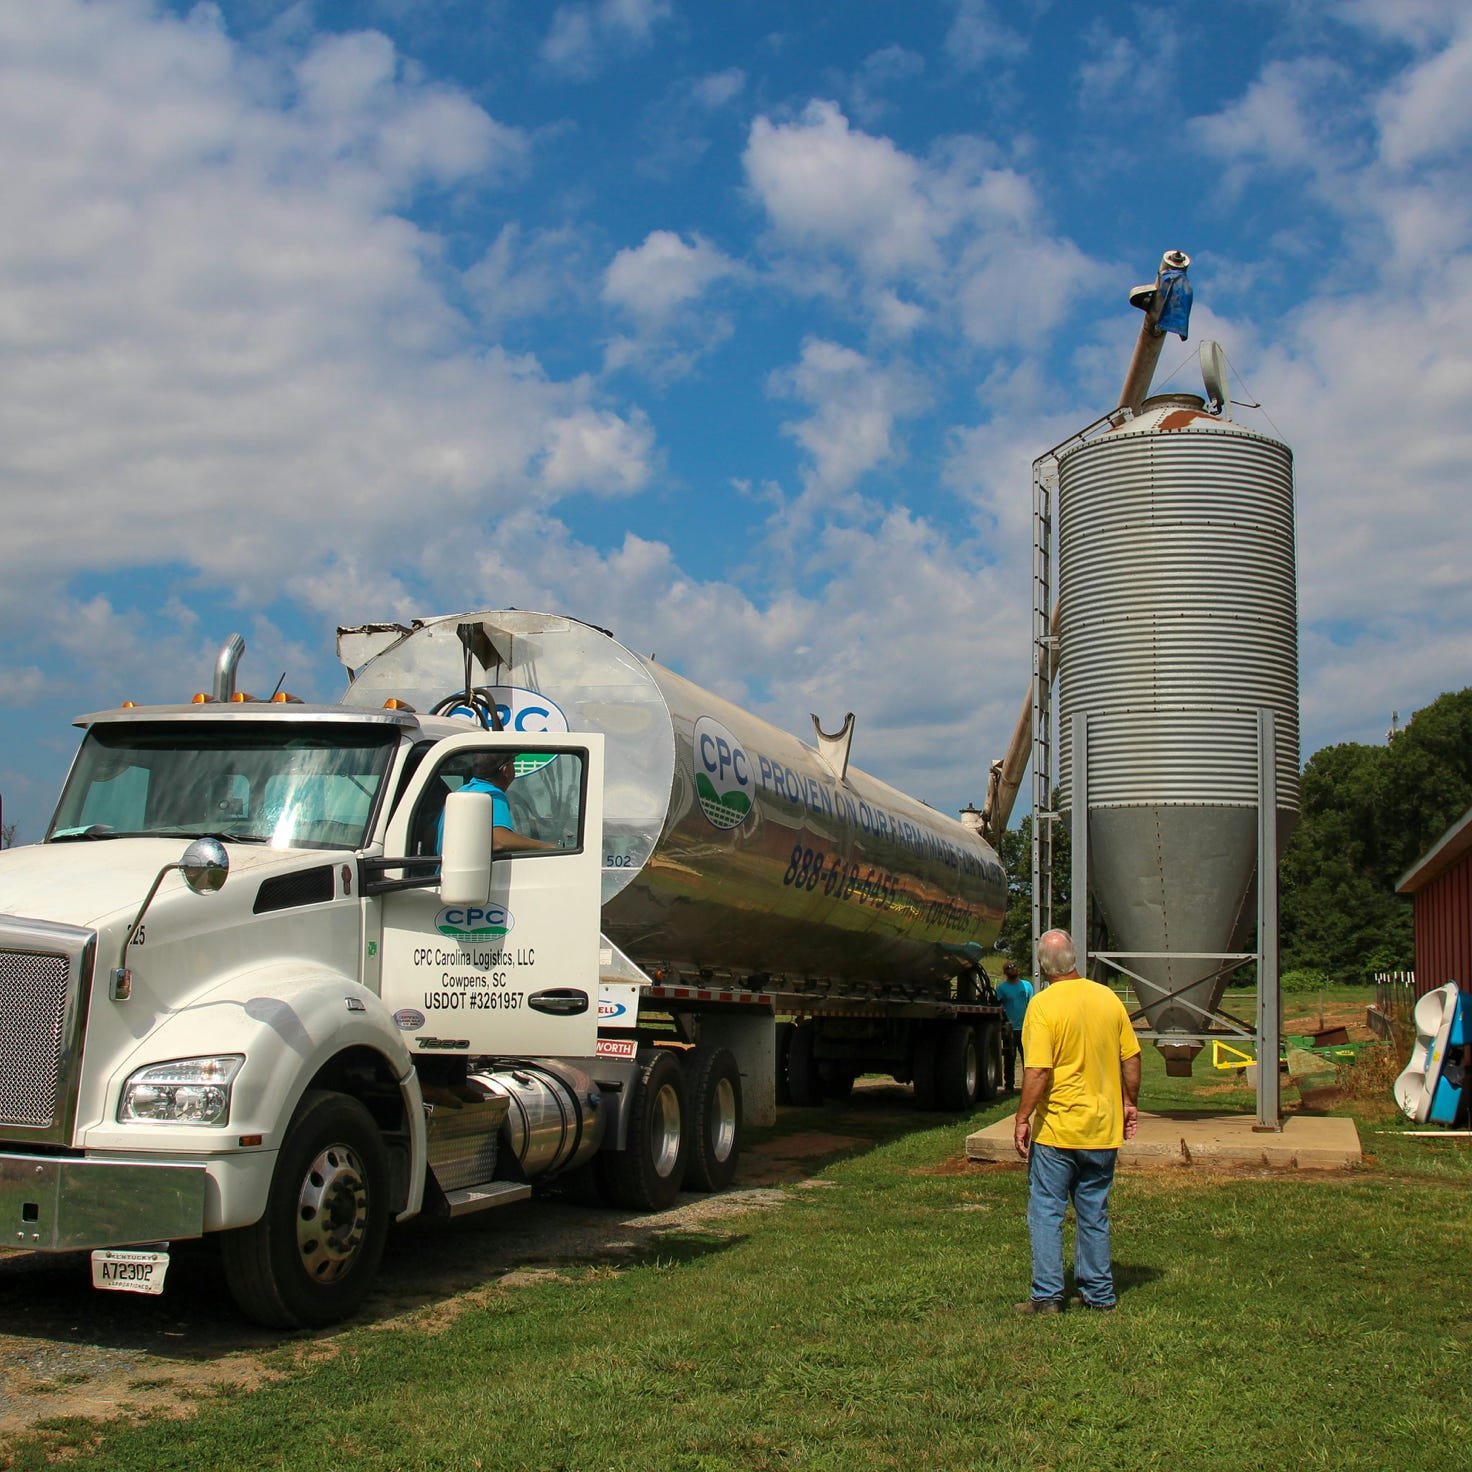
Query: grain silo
x=1177 y=627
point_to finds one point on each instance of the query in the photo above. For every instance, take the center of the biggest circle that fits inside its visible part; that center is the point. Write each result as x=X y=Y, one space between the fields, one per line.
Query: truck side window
x=538 y=799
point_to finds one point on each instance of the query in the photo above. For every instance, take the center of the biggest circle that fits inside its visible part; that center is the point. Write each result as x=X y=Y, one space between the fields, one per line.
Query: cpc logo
x=474 y=922
x=722 y=774
x=526 y=711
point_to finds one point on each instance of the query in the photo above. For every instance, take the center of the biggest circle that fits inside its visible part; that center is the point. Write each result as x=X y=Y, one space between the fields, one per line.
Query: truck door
x=517 y=975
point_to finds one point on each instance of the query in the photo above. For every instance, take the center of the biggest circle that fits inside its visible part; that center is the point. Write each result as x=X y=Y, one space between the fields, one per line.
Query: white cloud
x=219 y=343
x=854 y=405
x=21 y=684
x=1015 y=286
x=585 y=36
x=978 y=36
x=950 y=238
x=1281 y=121
x=1420 y=22
x=825 y=185
x=718 y=89
x=900 y=622
x=1367 y=382
x=654 y=280
x=527 y=274
x=593 y=449
x=678 y=129
x=1427 y=113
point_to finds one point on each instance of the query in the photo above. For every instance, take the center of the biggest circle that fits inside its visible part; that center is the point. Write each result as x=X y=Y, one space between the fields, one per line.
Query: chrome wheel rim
x=723 y=1136
x=665 y=1131
x=332 y=1214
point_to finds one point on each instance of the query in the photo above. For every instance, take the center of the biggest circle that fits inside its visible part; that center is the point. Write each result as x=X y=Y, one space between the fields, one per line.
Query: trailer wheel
x=804 y=1086
x=924 y=1046
x=958 y=1067
x=648 y=1174
x=989 y=1039
x=311 y=1258
x=714 y=1084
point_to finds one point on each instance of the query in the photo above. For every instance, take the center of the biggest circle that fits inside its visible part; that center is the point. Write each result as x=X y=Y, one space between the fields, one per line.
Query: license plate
x=120 y=1271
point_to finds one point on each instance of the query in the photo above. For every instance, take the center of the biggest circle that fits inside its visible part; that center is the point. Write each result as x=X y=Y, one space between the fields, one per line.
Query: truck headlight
x=186 y=1091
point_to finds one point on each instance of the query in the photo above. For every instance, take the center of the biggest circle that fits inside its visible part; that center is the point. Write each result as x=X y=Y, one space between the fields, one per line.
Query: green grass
x=1266 y=1320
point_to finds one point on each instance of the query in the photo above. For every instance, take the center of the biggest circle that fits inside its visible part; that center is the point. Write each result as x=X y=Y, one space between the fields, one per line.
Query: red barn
x=1441 y=883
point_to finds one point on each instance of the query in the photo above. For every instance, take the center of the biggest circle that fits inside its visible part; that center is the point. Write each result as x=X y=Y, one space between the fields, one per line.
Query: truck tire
x=989 y=1042
x=804 y=1085
x=713 y=1082
x=312 y=1256
x=648 y=1174
x=958 y=1067
x=923 y=1076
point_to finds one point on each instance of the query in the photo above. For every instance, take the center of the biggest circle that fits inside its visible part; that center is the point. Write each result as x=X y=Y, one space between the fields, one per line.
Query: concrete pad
x=1306 y=1142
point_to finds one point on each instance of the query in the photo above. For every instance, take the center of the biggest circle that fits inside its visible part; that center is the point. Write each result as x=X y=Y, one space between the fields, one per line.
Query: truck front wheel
x=312 y=1256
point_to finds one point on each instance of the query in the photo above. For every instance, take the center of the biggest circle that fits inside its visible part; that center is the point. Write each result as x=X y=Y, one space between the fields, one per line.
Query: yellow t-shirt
x=1081 y=1031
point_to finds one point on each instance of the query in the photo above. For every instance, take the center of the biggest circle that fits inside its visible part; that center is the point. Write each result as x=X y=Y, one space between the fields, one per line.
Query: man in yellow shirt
x=1080 y=1080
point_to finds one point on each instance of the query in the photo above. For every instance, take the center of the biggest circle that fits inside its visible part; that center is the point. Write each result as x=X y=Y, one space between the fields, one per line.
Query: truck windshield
x=287 y=784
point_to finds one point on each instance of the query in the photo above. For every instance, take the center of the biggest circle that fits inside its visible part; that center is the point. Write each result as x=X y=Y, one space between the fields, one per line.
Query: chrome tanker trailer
x=731 y=850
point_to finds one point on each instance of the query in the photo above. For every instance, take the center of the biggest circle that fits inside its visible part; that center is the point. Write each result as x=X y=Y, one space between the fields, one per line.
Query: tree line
x=1367 y=814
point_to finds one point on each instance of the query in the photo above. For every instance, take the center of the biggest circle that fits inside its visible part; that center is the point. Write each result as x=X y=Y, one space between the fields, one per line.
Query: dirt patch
x=1305 y=1015
x=963 y=1165
x=789 y=1157
x=69 y=1352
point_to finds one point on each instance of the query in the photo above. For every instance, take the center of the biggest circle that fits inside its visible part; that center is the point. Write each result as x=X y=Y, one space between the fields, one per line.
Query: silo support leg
x=1269 y=1003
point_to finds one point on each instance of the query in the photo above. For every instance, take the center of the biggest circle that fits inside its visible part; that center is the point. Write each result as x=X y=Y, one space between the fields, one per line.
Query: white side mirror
x=465 y=851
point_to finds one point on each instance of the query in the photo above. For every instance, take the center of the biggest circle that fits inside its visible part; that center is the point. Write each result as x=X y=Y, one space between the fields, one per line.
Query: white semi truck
x=286 y=973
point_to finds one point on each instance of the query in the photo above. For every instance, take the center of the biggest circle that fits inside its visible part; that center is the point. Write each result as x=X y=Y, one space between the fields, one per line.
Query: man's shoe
x=1103 y=1308
x=1040 y=1306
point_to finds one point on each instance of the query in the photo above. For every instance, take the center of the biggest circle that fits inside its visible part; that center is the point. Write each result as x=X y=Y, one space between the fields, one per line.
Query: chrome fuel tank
x=730 y=847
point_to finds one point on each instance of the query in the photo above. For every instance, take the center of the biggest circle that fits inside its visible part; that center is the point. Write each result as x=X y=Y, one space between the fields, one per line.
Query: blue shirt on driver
x=500 y=809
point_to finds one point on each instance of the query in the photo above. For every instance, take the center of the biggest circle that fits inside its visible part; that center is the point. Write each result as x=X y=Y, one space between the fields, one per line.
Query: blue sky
x=731 y=327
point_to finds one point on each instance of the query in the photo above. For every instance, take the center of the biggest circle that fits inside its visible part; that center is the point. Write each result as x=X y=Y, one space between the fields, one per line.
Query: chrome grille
x=34 y=993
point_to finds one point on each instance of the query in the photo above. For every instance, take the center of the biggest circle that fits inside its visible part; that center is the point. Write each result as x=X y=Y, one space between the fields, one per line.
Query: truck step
x=481 y=1198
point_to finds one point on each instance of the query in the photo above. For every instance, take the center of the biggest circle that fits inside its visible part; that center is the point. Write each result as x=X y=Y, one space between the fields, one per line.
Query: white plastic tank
x=1178 y=622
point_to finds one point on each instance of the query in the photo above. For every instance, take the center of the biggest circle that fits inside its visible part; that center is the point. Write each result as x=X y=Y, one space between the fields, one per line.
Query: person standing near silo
x=1080 y=1081
x=1014 y=992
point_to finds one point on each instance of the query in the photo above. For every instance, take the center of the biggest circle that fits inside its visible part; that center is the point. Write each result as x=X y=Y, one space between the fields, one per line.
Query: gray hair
x=1056 y=954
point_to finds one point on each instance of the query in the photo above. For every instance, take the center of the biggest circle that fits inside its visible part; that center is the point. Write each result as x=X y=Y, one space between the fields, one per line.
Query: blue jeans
x=1054 y=1177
